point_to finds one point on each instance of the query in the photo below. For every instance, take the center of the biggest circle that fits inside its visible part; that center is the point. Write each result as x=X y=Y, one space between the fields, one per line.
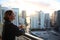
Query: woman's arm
x=18 y=32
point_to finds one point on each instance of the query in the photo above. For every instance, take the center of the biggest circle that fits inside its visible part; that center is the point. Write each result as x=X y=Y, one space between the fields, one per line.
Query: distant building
x=3 y=9
x=34 y=22
x=24 y=14
x=0 y=14
x=47 y=20
x=42 y=19
x=24 y=17
x=21 y=21
x=56 y=20
x=37 y=21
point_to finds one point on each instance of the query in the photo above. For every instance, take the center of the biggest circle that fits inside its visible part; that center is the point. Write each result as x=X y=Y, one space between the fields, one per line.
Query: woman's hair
x=7 y=13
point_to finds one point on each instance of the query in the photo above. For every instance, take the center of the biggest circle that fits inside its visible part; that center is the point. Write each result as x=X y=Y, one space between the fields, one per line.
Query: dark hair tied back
x=7 y=13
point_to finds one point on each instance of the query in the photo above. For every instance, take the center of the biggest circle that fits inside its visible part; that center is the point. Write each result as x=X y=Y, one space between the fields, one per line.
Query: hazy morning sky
x=48 y=6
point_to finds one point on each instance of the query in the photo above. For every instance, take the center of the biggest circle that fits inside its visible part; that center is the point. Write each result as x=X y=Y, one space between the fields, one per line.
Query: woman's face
x=12 y=17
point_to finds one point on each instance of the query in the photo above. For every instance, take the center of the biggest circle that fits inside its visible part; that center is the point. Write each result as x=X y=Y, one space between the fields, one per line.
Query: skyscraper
x=24 y=14
x=24 y=17
x=0 y=14
x=3 y=9
x=34 y=22
x=47 y=20
x=42 y=19
x=37 y=20
x=56 y=20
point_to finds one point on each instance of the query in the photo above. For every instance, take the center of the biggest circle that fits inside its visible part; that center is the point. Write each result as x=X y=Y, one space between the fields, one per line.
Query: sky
x=48 y=6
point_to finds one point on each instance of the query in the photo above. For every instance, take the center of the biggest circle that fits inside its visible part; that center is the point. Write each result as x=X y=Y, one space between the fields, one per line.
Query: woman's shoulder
x=6 y=22
x=9 y=24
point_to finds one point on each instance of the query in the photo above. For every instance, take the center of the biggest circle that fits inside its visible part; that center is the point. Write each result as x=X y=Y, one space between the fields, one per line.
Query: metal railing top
x=32 y=37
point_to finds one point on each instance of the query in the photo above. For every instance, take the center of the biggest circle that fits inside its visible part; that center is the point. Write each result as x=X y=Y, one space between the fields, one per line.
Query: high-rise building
x=42 y=19
x=34 y=22
x=24 y=17
x=56 y=20
x=3 y=11
x=37 y=21
x=24 y=14
x=0 y=14
x=47 y=20
x=21 y=21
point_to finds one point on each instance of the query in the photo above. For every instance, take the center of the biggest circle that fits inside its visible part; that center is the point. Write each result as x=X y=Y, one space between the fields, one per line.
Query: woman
x=9 y=29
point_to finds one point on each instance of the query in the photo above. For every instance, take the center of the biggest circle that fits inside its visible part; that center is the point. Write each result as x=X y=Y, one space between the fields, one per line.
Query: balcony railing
x=28 y=36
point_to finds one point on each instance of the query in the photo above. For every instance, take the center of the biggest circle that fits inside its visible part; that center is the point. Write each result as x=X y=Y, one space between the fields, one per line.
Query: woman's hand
x=21 y=27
